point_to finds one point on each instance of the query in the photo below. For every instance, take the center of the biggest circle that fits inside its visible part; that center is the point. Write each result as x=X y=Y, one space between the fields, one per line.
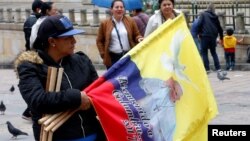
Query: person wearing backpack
x=31 y=20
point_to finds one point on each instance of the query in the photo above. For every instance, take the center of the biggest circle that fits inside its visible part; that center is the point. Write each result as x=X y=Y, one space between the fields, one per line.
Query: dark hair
x=211 y=7
x=138 y=10
x=46 y=6
x=230 y=31
x=36 y=4
x=160 y=1
x=113 y=2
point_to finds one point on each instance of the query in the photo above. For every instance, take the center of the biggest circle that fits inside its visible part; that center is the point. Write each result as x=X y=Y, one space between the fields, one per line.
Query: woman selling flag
x=55 y=47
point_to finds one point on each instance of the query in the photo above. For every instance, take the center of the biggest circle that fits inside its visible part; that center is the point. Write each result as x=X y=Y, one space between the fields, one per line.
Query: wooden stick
x=47 y=88
x=51 y=118
x=50 y=87
x=53 y=123
x=50 y=136
x=43 y=119
x=44 y=135
x=48 y=78
x=53 y=76
x=63 y=120
x=48 y=118
x=59 y=79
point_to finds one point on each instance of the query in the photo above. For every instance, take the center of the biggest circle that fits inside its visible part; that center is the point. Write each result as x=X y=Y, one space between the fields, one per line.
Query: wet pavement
x=232 y=96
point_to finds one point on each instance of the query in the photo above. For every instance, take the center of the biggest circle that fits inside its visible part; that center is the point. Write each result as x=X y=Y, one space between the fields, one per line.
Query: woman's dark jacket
x=78 y=73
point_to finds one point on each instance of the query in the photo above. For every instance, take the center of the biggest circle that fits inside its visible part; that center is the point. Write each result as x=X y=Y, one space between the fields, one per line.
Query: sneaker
x=27 y=115
x=27 y=118
x=230 y=69
x=208 y=71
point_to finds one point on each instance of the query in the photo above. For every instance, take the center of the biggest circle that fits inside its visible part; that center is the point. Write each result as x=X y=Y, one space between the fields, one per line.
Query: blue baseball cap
x=56 y=26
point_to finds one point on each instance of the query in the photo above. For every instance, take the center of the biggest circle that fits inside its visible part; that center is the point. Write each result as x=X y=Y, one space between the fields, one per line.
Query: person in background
x=195 y=33
x=229 y=44
x=116 y=35
x=47 y=9
x=54 y=47
x=141 y=20
x=209 y=28
x=166 y=11
x=31 y=20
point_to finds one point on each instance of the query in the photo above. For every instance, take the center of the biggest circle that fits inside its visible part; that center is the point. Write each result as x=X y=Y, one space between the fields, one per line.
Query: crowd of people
x=50 y=42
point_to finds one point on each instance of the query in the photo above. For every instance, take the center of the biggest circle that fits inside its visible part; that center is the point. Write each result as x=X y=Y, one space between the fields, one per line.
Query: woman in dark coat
x=55 y=47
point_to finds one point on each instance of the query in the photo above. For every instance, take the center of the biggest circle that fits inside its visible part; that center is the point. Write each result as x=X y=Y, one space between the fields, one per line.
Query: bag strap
x=118 y=35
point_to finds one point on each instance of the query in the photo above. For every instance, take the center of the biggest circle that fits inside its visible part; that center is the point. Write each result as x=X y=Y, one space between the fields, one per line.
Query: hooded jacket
x=209 y=25
x=78 y=73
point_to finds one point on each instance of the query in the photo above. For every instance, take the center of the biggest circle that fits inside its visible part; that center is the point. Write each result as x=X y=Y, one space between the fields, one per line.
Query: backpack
x=248 y=55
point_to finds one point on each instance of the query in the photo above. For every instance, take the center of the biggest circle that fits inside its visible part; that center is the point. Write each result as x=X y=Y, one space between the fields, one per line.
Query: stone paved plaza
x=232 y=97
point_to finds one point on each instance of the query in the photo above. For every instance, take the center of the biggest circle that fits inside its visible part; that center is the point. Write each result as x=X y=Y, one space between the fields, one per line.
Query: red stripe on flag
x=114 y=115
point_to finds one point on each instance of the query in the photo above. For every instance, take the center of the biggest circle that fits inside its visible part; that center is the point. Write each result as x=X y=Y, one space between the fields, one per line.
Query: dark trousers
x=115 y=57
x=230 y=60
x=208 y=43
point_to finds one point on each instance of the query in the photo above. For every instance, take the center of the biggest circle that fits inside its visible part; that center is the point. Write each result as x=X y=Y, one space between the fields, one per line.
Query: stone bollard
x=18 y=15
x=96 y=19
x=9 y=15
x=222 y=19
x=1 y=15
x=239 y=23
x=187 y=17
x=72 y=16
x=108 y=13
x=84 y=21
x=27 y=13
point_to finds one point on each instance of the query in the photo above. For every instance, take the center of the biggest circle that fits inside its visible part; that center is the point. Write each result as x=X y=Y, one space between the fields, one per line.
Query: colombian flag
x=158 y=91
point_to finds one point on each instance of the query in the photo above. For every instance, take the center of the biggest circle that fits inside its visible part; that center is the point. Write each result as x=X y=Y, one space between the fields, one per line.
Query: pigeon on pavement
x=221 y=75
x=14 y=131
x=12 y=89
x=2 y=108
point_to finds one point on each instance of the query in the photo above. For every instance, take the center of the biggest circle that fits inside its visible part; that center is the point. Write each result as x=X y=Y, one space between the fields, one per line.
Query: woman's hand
x=86 y=104
x=140 y=39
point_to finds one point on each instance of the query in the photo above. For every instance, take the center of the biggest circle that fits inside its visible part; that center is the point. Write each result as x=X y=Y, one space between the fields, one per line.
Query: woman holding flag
x=54 y=47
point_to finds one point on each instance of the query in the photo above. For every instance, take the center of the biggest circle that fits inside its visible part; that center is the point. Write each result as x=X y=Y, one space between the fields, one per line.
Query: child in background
x=229 y=44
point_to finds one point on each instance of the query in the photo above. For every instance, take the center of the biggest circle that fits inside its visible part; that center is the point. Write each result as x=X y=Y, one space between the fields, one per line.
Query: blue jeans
x=230 y=60
x=209 y=43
